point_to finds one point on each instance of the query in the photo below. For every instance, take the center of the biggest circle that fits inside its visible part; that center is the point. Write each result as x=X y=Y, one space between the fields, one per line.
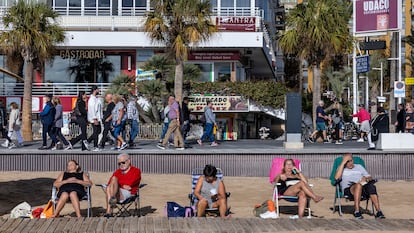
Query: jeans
x=133 y=130
x=58 y=134
x=47 y=129
x=164 y=130
x=208 y=132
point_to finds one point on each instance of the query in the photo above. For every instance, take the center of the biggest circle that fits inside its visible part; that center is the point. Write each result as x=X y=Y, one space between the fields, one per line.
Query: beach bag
x=22 y=210
x=259 y=209
x=374 y=134
x=48 y=210
x=37 y=212
x=174 y=210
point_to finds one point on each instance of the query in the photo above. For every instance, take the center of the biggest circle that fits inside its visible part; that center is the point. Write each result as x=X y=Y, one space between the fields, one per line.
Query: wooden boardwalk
x=200 y=225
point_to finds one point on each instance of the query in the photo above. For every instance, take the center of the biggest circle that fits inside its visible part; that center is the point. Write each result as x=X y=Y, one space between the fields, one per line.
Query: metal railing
x=57 y=89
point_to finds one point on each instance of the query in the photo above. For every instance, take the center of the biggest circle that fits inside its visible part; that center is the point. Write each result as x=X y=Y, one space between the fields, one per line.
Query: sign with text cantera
x=362 y=64
x=197 y=103
x=236 y=23
x=377 y=15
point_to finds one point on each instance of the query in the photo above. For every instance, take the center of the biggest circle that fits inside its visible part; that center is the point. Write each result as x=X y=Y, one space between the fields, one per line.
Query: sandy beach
x=35 y=188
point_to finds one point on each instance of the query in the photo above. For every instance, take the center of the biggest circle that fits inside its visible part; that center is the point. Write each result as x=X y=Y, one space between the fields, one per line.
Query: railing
x=57 y=89
x=238 y=11
x=146 y=130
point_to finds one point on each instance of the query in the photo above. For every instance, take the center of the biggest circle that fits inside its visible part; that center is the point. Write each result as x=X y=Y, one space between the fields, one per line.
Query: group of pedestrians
x=90 y=111
x=177 y=123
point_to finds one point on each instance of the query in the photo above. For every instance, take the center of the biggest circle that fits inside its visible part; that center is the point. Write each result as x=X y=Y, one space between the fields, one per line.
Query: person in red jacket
x=363 y=118
x=123 y=183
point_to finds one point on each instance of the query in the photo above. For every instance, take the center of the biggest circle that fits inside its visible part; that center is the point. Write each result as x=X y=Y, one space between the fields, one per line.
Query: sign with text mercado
x=377 y=15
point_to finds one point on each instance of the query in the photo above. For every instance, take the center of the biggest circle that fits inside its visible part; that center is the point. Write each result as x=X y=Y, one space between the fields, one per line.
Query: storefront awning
x=278 y=113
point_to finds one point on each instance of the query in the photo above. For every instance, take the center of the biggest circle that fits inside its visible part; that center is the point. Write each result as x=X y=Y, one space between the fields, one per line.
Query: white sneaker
x=294 y=217
x=269 y=214
x=199 y=142
x=12 y=145
x=86 y=144
x=5 y=144
x=96 y=149
x=69 y=147
x=214 y=144
x=360 y=140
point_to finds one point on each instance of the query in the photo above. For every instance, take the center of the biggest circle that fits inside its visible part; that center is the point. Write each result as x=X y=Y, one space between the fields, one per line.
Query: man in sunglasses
x=123 y=183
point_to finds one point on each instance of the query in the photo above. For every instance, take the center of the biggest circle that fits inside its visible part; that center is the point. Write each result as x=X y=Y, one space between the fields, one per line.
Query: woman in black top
x=294 y=183
x=71 y=185
x=81 y=120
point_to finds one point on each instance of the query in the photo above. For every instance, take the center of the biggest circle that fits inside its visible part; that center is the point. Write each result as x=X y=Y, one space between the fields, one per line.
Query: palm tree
x=32 y=31
x=180 y=25
x=338 y=80
x=315 y=31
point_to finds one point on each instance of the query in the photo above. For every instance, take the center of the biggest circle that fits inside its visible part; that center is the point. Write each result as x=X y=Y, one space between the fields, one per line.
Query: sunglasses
x=121 y=163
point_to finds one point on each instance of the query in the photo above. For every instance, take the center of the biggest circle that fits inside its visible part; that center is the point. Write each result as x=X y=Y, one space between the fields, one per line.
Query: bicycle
x=351 y=131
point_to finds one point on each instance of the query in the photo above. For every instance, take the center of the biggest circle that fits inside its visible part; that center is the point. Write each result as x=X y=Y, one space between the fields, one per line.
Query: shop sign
x=214 y=56
x=82 y=54
x=220 y=103
x=236 y=23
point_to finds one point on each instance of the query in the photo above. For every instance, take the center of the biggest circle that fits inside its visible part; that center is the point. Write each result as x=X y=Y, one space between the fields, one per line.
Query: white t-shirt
x=354 y=175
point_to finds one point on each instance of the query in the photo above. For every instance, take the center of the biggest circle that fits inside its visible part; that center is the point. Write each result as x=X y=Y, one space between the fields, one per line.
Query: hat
x=93 y=88
x=50 y=96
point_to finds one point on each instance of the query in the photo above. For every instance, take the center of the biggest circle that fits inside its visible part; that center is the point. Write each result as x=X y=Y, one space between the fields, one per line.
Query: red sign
x=377 y=15
x=236 y=23
x=213 y=56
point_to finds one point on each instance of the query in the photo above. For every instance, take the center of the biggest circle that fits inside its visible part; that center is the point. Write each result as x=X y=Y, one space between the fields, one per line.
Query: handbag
x=374 y=134
x=75 y=113
x=48 y=210
x=409 y=125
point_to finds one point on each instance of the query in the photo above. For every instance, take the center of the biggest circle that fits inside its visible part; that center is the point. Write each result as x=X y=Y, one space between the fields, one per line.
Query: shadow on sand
x=36 y=192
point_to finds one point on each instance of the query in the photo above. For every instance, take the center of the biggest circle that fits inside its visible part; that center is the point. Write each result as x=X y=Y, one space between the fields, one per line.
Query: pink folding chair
x=276 y=169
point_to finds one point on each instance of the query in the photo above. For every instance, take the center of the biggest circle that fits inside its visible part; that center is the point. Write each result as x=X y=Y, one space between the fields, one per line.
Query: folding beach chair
x=338 y=190
x=86 y=197
x=276 y=169
x=122 y=209
x=195 y=174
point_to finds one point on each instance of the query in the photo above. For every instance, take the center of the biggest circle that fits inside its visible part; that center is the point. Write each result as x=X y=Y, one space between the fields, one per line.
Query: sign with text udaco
x=220 y=103
x=236 y=23
x=213 y=56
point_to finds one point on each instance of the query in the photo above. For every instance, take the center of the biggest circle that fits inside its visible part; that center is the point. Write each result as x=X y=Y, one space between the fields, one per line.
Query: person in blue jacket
x=47 y=116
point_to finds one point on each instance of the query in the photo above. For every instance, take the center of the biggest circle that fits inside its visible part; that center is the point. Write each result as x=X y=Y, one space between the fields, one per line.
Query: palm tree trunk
x=316 y=92
x=178 y=84
x=27 y=102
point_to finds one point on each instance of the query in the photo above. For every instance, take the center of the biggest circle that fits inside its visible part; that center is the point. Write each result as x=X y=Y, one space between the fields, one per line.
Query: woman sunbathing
x=294 y=183
x=71 y=185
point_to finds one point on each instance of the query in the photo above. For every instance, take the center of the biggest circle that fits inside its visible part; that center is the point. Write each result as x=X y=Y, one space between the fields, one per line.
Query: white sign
x=399 y=89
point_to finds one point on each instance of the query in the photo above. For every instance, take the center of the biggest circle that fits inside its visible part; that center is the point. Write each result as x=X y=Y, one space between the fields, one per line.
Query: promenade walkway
x=201 y=225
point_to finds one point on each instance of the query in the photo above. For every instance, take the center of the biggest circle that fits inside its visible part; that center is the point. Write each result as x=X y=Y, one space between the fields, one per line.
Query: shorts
x=320 y=126
x=367 y=190
x=125 y=193
x=365 y=127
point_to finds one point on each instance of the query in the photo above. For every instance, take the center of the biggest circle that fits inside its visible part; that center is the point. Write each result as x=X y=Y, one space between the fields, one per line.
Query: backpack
x=174 y=210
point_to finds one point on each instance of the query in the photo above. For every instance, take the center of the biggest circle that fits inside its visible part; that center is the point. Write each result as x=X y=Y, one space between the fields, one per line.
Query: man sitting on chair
x=123 y=183
x=355 y=182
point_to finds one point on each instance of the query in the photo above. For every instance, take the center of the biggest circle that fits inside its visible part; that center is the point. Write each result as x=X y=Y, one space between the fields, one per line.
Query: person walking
x=210 y=118
x=185 y=118
x=95 y=116
x=133 y=118
x=380 y=124
x=81 y=114
x=57 y=128
x=400 y=123
x=47 y=116
x=3 y=120
x=173 y=126
x=15 y=125
x=321 y=117
x=118 y=122
x=363 y=118
x=107 y=119
x=165 y=122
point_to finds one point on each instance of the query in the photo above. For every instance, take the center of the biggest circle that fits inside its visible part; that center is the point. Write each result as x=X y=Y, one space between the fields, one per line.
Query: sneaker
x=371 y=148
x=199 y=142
x=326 y=141
x=86 y=144
x=214 y=144
x=69 y=147
x=358 y=215
x=180 y=148
x=380 y=215
x=170 y=144
x=112 y=202
x=311 y=140
x=96 y=149
x=360 y=140
x=5 y=144
x=43 y=148
x=12 y=145
x=294 y=216
x=115 y=148
x=54 y=148
x=161 y=146
x=338 y=143
x=20 y=144
x=269 y=214
x=124 y=145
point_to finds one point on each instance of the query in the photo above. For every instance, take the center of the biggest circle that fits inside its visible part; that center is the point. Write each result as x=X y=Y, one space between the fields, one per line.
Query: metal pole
x=399 y=62
x=382 y=80
x=366 y=93
x=354 y=73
